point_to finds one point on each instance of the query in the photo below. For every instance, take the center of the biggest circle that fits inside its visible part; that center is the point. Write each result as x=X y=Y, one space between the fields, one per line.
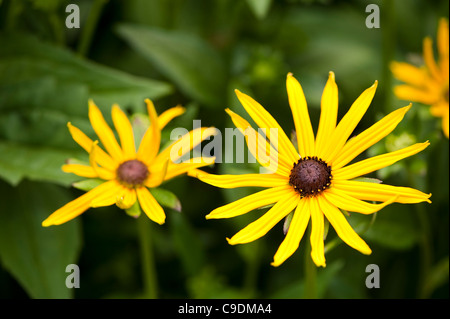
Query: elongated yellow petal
x=174 y=170
x=377 y=162
x=265 y=120
x=302 y=122
x=445 y=123
x=150 y=206
x=428 y=56
x=342 y=227
x=77 y=206
x=380 y=192
x=126 y=198
x=409 y=73
x=184 y=145
x=295 y=233
x=244 y=180
x=260 y=148
x=317 y=231
x=157 y=175
x=352 y=204
x=369 y=137
x=108 y=197
x=407 y=92
x=262 y=225
x=104 y=132
x=86 y=143
x=350 y=121
x=151 y=140
x=249 y=203
x=328 y=117
x=443 y=46
x=125 y=131
x=80 y=170
x=168 y=115
x=100 y=171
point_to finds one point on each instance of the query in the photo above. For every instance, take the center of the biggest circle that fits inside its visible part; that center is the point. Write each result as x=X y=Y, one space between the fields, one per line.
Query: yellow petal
x=157 y=175
x=126 y=198
x=108 y=197
x=295 y=233
x=125 y=131
x=377 y=162
x=151 y=140
x=442 y=38
x=150 y=206
x=369 y=137
x=169 y=115
x=77 y=206
x=380 y=192
x=328 y=117
x=244 y=180
x=86 y=143
x=409 y=73
x=262 y=225
x=445 y=125
x=249 y=203
x=352 y=204
x=260 y=148
x=265 y=120
x=100 y=171
x=342 y=227
x=174 y=170
x=428 y=56
x=350 y=121
x=410 y=93
x=80 y=170
x=104 y=132
x=184 y=145
x=302 y=122
x=317 y=231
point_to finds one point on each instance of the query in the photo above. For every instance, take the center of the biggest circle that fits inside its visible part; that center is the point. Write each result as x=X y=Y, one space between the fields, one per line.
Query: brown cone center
x=132 y=173
x=310 y=176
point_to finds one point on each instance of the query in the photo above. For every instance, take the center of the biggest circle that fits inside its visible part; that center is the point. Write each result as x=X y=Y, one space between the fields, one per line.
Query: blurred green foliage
x=195 y=53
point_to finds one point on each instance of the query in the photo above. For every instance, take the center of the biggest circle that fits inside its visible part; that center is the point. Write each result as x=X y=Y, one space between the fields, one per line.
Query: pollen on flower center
x=132 y=173
x=310 y=176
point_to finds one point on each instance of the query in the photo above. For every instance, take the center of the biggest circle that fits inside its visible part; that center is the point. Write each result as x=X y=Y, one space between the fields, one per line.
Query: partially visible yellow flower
x=315 y=180
x=429 y=83
x=128 y=173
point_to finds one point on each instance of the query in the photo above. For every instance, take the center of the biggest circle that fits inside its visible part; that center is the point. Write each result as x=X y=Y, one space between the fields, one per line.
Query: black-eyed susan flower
x=128 y=174
x=316 y=181
x=428 y=84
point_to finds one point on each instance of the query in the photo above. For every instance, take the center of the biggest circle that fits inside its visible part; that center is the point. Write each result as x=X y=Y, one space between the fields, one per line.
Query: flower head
x=316 y=181
x=128 y=174
x=429 y=83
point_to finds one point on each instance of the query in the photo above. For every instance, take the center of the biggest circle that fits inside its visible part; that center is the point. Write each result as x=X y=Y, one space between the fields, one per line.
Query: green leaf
x=37 y=256
x=24 y=58
x=260 y=8
x=189 y=61
x=88 y=184
x=166 y=198
x=35 y=163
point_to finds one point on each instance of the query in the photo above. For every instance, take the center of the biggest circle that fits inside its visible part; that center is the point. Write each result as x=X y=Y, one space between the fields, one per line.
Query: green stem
x=310 y=272
x=88 y=29
x=147 y=261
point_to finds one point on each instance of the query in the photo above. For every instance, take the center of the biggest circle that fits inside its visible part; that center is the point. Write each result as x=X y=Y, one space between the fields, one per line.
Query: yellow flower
x=315 y=181
x=429 y=83
x=128 y=174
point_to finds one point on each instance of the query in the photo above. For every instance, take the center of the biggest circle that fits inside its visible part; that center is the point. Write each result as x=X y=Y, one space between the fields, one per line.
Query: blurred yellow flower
x=128 y=174
x=314 y=181
x=429 y=83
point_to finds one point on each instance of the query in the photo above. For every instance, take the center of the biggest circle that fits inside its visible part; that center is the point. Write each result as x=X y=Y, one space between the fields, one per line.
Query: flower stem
x=310 y=272
x=147 y=261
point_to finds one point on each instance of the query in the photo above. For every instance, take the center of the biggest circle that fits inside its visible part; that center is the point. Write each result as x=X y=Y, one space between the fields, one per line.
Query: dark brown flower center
x=132 y=173
x=310 y=176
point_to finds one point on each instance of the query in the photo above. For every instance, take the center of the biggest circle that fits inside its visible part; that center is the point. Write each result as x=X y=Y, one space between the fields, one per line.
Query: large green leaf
x=186 y=59
x=24 y=58
x=36 y=256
